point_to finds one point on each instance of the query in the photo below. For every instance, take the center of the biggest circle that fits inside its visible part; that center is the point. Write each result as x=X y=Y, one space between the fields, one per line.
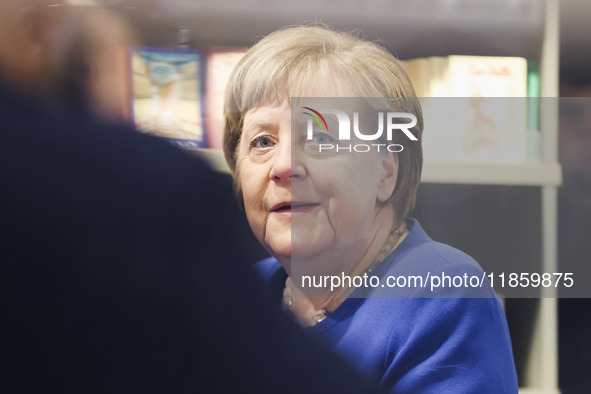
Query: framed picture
x=220 y=64
x=166 y=98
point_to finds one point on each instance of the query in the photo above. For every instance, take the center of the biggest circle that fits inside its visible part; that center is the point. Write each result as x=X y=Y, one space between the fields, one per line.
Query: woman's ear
x=388 y=177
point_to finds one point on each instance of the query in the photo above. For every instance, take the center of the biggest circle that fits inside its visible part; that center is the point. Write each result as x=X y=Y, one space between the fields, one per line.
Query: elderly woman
x=325 y=212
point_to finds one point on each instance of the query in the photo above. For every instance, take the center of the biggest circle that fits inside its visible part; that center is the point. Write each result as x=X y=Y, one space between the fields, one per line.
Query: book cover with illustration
x=418 y=73
x=476 y=109
x=220 y=64
x=166 y=94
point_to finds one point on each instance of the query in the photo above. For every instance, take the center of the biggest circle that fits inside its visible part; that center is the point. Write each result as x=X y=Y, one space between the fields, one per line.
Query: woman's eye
x=262 y=142
x=322 y=138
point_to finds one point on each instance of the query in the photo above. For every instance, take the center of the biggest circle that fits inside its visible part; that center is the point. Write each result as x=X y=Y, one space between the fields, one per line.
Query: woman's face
x=307 y=205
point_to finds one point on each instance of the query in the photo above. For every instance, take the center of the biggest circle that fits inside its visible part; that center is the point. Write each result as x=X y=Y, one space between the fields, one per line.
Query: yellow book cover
x=483 y=116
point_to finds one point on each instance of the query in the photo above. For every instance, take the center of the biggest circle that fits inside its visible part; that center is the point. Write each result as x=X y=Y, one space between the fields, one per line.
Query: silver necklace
x=321 y=314
x=391 y=241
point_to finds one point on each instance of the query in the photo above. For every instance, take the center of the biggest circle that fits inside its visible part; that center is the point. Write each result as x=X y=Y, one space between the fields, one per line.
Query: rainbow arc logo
x=387 y=123
x=325 y=128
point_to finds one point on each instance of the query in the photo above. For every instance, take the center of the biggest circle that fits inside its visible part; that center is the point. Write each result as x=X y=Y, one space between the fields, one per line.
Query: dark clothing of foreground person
x=120 y=272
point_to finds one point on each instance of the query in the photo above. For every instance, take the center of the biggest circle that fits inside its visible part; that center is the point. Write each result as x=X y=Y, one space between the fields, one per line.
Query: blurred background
x=161 y=64
x=412 y=28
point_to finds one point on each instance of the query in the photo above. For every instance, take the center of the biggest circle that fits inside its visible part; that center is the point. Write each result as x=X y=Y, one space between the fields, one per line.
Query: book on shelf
x=219 y=65
x=418 y=72
x=439 y=83
x=167 y=94
x=533 y=111
x=475 y=107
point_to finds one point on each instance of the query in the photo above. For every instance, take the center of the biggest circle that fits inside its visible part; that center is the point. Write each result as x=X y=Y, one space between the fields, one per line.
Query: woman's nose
x=287 y=165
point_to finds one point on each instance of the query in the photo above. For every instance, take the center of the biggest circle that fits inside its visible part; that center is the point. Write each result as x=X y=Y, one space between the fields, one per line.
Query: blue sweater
x=415 y=341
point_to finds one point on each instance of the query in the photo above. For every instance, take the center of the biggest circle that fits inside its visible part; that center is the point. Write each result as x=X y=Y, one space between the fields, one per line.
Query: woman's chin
x=280 y=252
x=308 y=243
x=302 y=243
x=294 y=250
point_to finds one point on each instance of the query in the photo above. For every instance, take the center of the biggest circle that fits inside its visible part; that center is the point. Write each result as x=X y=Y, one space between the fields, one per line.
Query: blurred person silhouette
x=91 y=73
x=120 y=268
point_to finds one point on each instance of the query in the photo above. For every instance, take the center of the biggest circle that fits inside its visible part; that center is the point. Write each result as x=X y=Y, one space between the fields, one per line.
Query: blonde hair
x=273 y=70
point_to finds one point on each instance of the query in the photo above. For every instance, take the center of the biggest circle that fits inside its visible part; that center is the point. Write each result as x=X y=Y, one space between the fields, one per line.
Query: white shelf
x=215 y=159
x=536 y=174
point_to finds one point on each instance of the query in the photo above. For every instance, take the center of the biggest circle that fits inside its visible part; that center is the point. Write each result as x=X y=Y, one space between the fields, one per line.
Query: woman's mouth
x=289 y=208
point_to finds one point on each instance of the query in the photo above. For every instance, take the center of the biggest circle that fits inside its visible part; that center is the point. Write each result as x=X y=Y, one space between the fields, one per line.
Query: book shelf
x=536 y=174
x=422 y=28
